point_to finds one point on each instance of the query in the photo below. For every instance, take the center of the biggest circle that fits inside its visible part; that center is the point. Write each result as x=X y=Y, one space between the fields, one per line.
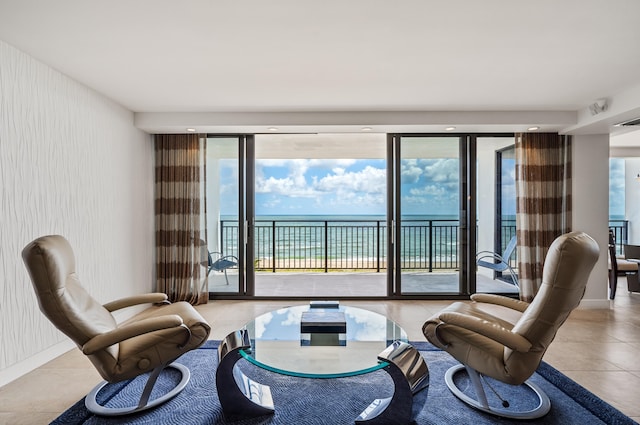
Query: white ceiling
x=208 y=62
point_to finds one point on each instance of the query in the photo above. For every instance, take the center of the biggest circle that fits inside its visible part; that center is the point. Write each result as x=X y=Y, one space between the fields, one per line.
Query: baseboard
x=594 y=304
x=23 y=367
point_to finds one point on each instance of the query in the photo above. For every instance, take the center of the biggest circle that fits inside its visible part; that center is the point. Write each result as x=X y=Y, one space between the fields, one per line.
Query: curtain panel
x=180 y=217
x=543 y=202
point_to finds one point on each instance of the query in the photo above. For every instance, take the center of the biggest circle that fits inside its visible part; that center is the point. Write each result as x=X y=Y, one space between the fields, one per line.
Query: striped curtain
x=180 y=210
x=543 y=208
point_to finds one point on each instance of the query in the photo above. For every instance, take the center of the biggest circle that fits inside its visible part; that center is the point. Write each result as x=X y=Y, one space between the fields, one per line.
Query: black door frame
x=468 y=169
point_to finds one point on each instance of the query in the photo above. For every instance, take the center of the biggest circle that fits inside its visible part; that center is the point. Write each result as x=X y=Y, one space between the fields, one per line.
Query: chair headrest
x=49 y=260
x=62 y=299
x=566 y=271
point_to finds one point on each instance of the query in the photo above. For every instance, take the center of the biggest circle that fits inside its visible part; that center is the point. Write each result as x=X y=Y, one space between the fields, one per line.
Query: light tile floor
x=597 y=348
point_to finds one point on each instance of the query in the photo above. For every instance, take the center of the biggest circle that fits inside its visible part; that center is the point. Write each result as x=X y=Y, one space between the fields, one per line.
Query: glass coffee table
x=351 y=341
x=277 y=343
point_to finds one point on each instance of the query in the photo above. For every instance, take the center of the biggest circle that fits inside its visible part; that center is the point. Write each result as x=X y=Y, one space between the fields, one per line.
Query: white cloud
x=369 y=180
x=443 y=170
x=294 y=184
x=261 y=324
x=302 y=178
x=288 y=186
x=411 y=171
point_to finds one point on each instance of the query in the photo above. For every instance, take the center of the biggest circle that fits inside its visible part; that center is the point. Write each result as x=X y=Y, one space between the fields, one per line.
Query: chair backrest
x=566 y=270
x=508 y=251
x=61 y=297
x=613 y=261
x=632 y=251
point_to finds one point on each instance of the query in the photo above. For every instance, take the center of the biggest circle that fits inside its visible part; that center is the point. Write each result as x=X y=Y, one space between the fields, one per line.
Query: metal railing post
x=326 y=246
x=378 y=247
x=221 y=236
x=430 y=246
x=273 y=246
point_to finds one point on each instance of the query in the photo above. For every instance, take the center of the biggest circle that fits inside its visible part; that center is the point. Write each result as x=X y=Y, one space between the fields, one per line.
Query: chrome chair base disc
x=92 y=404
x=542 y=409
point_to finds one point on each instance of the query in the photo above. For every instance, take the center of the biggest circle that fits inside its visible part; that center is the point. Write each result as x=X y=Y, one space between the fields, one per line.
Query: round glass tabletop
x=278 y=344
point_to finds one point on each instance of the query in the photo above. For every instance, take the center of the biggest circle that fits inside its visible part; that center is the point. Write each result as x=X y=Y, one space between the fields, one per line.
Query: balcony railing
x=620 y=230
x=329 y=245
x=320 y=244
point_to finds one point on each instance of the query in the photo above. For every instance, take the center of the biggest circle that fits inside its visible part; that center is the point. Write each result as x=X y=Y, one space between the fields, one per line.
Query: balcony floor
x=354 y=284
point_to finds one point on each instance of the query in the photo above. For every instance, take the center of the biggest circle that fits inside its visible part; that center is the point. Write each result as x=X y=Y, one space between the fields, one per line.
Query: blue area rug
x=302 y=401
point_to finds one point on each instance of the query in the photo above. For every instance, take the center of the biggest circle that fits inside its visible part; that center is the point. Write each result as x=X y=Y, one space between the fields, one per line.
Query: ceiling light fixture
x=534 y=128
x=191 y=130
x=366 y=129
x=450 y=128
x=273 y=129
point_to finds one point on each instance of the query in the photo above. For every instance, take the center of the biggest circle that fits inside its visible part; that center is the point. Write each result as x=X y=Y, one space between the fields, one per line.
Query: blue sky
x=616 y=187
x=320 y=186
x=509 y=187
x=346 y=187
x=349 y=186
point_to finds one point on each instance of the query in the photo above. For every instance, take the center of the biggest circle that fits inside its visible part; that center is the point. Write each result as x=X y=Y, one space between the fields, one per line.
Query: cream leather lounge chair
x=148 y=342
x=510 y=350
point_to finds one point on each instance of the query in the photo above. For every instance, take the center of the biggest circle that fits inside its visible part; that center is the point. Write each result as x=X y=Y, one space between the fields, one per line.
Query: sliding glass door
x=427 y=215
x=225 y=214
x=496 y=215
x=350 y=215
x=318 y=228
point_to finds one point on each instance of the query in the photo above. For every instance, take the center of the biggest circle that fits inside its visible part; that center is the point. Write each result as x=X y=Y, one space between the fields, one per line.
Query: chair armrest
x=151 y=298
x=518 y=305
x=141 y=327
x=490 y=330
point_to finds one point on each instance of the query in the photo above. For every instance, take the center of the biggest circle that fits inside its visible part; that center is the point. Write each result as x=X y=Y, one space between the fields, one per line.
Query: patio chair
x=222 y=263
x=631 y=256
x=622 y=266
x=502 y=263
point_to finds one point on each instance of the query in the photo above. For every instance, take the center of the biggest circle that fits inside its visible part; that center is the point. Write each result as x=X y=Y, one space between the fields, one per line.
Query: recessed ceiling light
x=450 y=128
x=273 y=129
x=366 y=129
x=534 y=128
x=191 y=130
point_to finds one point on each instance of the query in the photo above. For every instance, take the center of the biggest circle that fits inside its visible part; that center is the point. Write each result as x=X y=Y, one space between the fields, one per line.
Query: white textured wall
x=71 y=163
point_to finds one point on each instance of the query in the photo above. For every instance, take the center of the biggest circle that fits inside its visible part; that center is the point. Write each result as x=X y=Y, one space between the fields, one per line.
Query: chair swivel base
x=144 y=404
x=542 y=409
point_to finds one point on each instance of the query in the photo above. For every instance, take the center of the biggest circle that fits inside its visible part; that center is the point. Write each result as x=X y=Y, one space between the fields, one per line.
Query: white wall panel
x=590 y=186
x=71 y=163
